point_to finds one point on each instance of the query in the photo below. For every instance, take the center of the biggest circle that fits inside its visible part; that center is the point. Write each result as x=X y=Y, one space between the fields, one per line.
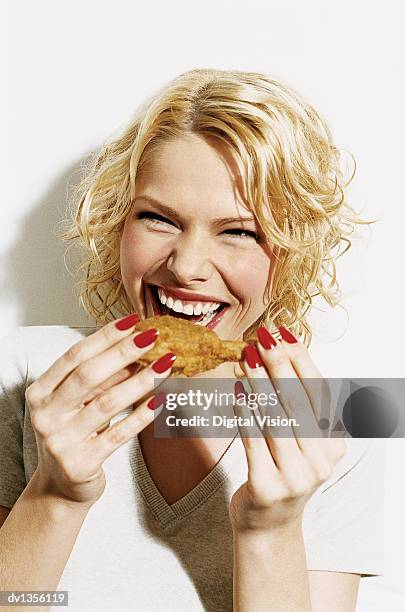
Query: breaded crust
x=197 y=348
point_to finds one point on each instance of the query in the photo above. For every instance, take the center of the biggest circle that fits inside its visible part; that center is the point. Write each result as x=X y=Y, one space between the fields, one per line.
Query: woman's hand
x=72 y=403
x=283 y=471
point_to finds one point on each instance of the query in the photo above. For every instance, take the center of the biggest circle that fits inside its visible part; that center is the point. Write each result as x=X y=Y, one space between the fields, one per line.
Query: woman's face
x=193 y=246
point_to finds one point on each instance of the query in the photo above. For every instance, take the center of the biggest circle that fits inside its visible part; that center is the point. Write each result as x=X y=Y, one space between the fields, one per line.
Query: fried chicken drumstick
x=197 y=348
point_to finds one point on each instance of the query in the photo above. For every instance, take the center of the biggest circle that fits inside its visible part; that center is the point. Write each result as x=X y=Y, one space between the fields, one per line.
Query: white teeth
x=178 y=306
x=198 y=309
x=205 y=320
x=162 y=296
x=188 y=309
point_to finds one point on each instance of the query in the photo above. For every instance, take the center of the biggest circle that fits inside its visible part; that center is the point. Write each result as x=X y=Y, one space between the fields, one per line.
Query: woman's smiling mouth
x=202 y=311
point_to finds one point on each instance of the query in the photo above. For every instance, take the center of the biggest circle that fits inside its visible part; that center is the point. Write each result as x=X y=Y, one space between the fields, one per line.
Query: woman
x=225 y=188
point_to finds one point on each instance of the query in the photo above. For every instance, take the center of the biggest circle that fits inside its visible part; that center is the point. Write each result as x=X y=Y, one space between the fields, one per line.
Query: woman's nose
x=190 y=259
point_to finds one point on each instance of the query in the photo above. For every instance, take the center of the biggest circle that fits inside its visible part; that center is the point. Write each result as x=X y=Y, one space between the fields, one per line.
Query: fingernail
x=146 y=337
x=265 y=338
x=239 y=389
x=127 y=322
x=252 y=357
x=287 y=335
x=164 y=363
x=156 y=401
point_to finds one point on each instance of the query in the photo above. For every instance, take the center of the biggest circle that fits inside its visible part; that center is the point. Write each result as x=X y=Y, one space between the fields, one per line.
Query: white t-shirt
x=137 y=552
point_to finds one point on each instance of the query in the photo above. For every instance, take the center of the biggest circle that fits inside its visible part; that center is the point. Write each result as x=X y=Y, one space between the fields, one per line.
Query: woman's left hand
x=284 y=470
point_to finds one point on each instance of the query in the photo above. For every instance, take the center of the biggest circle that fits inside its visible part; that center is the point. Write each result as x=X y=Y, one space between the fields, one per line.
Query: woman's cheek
x=251 y=285
x=137 y=253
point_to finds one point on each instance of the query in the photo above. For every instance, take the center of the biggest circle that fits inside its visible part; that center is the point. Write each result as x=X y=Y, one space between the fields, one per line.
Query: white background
x=77 y=69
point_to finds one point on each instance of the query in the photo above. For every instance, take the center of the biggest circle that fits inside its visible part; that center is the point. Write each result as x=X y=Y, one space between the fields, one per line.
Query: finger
x=103 y=408
x=104 y=444
x=90 y=374
x=264 y=393
x=284 y=447
x=273 y=364
x=295 y=397
x=258 y=455
x=289 y=386
x=115 y=379
x=316 y=386
x=81 y=351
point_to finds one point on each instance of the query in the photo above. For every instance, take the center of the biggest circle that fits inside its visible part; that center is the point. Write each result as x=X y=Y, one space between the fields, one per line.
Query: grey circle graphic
x=369 y=412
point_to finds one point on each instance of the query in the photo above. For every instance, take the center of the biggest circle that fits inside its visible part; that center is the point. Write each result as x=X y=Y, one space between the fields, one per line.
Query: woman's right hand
x=71 y=405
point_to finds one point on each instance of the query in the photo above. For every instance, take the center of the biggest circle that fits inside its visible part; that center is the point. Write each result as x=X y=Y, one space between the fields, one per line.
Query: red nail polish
x=146 y=337
x=287 y=335
x=127 y=322
x=156 y=401
x=164 y=363
x=265 y=338
x=239 y=389
x=252 y=357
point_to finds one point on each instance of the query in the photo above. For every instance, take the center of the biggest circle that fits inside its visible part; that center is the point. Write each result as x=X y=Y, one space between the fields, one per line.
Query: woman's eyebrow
x=168 y=210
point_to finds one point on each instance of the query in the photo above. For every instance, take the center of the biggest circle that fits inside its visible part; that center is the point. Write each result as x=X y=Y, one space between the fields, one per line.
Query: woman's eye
x=241 y=233
x=153 y=217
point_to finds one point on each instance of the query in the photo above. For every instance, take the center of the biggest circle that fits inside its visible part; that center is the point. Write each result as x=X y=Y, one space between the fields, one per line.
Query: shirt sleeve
x=347 y=533
x=13 y=374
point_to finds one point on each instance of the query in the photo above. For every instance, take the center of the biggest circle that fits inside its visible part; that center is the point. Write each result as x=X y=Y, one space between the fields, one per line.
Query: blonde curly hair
x=292 y=176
